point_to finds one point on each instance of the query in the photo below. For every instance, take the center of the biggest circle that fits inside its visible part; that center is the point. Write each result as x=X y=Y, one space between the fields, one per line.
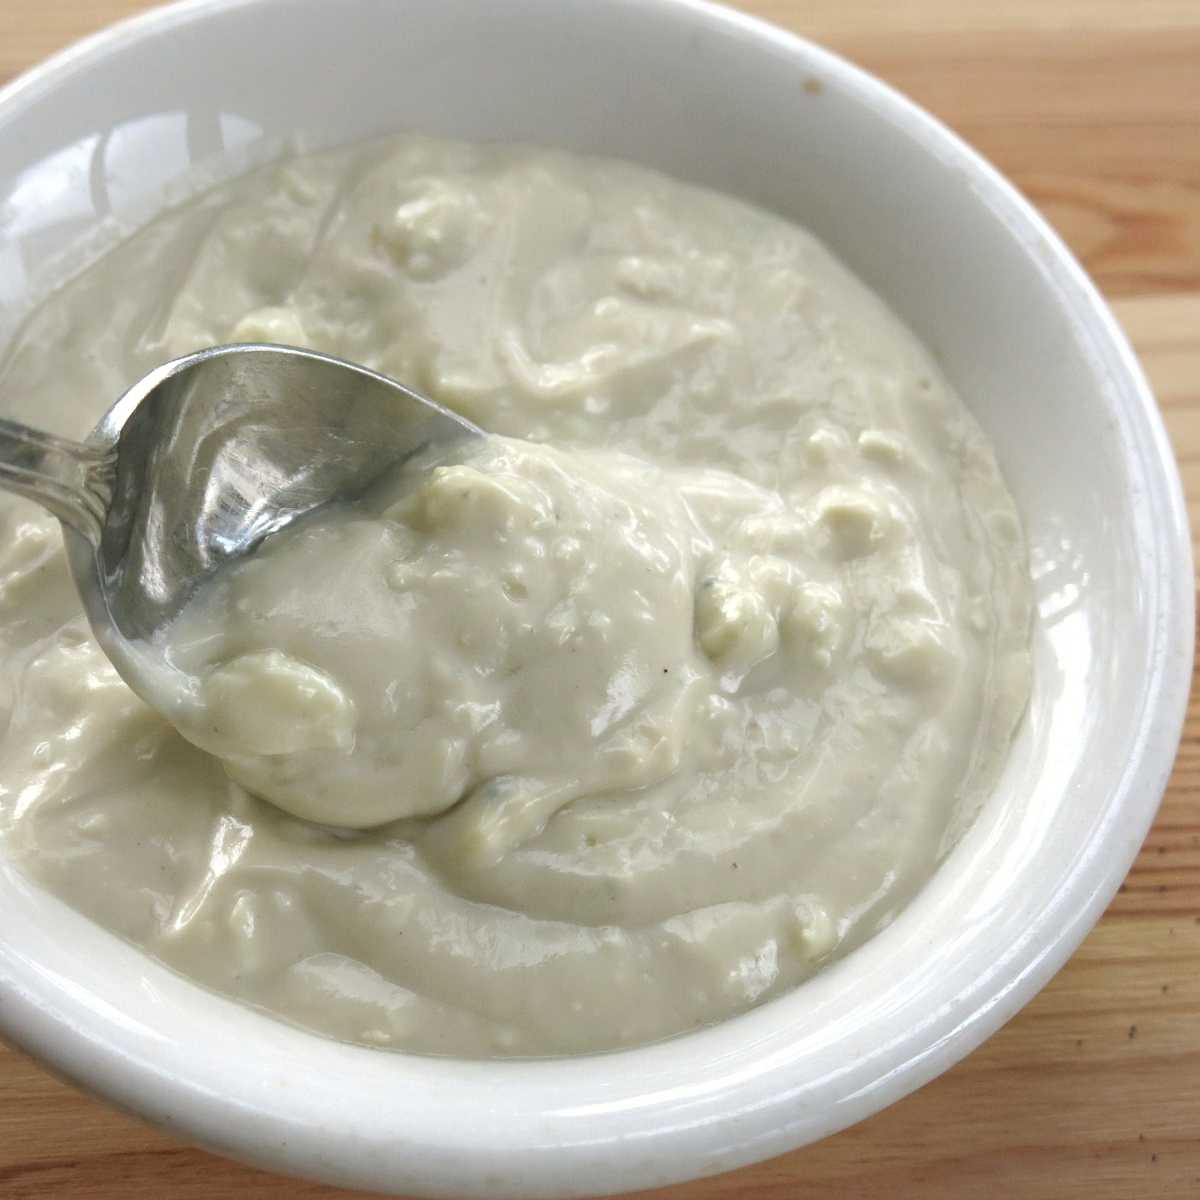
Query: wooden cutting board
x=1093 y=108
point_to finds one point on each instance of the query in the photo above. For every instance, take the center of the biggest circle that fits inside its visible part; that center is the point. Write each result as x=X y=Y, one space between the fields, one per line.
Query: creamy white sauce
x=670 y=692
x=508 y=632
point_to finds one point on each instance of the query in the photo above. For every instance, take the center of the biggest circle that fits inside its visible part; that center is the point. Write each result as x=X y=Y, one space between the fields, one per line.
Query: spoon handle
x=70 y=479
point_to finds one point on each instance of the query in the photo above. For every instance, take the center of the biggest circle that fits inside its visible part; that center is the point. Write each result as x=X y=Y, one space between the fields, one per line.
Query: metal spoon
x=201 y=460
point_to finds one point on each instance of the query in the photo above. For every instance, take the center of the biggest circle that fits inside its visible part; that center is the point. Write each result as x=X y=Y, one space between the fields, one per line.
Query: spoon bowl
x=201 y=460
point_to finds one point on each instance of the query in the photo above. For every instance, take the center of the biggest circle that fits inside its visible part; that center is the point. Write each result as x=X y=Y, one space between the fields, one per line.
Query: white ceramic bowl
x=714 y=97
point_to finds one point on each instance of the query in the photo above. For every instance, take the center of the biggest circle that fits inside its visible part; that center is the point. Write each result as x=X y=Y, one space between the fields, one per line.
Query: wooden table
x=1093 y=108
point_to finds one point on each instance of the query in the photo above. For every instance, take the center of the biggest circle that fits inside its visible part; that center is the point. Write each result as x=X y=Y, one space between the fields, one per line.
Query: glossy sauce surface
x=725 y=473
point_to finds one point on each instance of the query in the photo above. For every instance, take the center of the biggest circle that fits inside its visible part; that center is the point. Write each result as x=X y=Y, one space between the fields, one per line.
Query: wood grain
x=1093 y=108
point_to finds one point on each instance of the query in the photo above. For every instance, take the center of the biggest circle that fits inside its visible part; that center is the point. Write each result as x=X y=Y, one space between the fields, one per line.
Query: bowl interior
x=97 y=141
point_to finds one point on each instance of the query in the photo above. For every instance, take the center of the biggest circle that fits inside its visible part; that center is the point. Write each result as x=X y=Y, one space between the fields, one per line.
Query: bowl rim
x=43 y=1014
